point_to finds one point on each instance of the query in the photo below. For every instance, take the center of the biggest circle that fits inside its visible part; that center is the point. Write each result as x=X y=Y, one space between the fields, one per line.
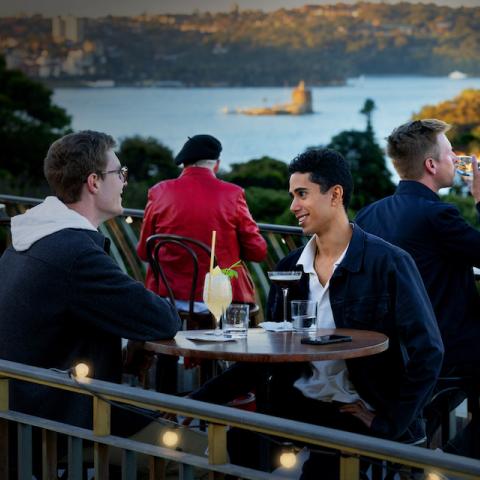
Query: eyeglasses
x=122 y=173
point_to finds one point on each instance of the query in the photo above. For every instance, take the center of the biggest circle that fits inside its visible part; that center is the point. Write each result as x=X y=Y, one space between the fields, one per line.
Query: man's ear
x=430 y=166
x=92 y=183
x=337 y=195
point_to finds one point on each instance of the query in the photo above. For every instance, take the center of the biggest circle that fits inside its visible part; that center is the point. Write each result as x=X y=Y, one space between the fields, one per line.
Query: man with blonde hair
x=444 y=247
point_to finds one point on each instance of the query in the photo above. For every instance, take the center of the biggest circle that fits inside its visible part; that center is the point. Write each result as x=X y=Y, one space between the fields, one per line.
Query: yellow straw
x=212 y=253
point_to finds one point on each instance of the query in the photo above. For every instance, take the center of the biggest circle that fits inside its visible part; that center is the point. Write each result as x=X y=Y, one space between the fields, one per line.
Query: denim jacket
x=377 y=287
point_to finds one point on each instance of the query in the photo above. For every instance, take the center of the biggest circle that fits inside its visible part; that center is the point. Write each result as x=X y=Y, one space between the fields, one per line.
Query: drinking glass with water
x=304 y=315
x=236 y=320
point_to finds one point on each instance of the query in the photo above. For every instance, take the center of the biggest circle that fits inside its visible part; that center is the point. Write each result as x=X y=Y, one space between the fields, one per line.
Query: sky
x=95 y=8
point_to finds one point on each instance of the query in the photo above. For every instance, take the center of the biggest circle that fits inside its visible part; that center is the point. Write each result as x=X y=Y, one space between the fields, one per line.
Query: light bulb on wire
x=170 y=438
x=81 y=370
x=435 y=476
x=288 y=458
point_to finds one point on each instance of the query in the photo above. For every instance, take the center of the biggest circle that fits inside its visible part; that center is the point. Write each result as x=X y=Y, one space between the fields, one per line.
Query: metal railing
x=123 y=232
x=349 y=445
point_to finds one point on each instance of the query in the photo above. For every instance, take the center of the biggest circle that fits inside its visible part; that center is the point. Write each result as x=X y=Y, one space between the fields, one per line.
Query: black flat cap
x=199 y=147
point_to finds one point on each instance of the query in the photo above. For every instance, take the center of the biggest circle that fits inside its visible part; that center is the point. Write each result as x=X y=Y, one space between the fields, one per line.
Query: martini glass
x=217 y=295
x=285 y=280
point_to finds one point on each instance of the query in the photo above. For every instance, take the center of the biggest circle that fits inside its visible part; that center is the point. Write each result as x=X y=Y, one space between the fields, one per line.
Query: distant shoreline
x=53 y=84
x=81 y=84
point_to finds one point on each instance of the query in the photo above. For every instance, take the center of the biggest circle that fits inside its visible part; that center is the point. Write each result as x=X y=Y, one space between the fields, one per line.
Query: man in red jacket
x=193 y=205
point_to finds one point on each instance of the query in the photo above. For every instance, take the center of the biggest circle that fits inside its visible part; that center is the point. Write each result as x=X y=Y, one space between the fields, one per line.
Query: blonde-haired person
x=444 y=246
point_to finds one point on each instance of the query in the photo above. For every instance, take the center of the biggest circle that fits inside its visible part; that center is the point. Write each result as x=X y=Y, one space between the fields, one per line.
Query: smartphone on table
x=326 y=339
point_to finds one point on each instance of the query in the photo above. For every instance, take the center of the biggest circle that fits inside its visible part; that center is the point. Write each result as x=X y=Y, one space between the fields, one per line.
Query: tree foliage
x=147 y=159
x=463 y=113
x=29 y=123
x=268 y=205
x=262 y=172
x=265 y=181
x=371 y=178
x=318 y=43
x=148 y=162
x=466 y=205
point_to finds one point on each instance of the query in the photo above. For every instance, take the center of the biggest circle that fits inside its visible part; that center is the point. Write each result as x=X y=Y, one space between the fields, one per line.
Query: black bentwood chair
x=166 y=376
x=191 y=319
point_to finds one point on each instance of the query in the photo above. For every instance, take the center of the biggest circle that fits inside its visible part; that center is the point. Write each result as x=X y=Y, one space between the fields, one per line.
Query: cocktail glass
x=217 y=295
x=285 y=280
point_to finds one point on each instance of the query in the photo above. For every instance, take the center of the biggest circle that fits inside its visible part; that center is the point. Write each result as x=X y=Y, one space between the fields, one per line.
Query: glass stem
x=218 y=331
x=285 y=295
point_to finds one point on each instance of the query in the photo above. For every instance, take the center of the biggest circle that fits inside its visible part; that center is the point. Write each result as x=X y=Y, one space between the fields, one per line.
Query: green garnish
x=230 y=272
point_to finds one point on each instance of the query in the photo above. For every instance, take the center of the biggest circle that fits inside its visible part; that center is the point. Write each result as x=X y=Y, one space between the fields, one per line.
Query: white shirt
x=329 y=381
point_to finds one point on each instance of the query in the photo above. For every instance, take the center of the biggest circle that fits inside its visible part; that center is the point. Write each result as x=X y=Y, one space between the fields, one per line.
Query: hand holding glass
x=217 y=295
x=284 y=280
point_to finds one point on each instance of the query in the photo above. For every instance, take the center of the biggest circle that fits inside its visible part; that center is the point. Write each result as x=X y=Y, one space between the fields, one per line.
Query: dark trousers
x=245 y=448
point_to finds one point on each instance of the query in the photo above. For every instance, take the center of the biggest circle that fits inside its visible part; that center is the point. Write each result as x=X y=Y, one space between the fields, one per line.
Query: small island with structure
x=301 y=104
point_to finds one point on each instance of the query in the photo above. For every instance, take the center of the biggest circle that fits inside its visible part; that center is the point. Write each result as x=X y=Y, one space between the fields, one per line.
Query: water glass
x=304 y=315
x=236 y=320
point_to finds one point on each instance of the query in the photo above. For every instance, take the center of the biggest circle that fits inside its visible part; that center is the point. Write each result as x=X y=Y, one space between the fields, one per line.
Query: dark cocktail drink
x=284 y=280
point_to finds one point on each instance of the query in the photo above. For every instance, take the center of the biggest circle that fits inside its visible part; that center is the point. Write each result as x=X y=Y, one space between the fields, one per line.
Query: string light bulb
x=170 y=438
x=435 y=476
x=81 y=370
x=288 y=458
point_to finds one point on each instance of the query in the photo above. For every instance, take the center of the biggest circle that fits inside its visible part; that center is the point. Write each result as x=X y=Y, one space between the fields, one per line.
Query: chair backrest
x=154 y=244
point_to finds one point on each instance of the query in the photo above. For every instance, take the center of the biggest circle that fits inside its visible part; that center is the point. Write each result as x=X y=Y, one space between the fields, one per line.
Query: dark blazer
x=375 y=287
x=445 y=248
x=63 y=301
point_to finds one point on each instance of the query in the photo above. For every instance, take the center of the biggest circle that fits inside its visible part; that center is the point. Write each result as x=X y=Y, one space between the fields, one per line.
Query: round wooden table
x=272 y=347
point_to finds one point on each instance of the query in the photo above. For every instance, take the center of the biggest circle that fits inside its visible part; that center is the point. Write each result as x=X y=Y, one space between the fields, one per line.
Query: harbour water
x=172 y=114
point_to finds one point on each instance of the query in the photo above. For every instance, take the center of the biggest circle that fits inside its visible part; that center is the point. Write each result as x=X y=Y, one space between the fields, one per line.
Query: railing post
x=49 y=455
x=4 y=448
x=75 y=458
x=100 y=461
x=24 y=461
x=217 y=444
x=4 y=397
x=4 y=406
x=101 y=417
x=129 y=465
x=101 y=427
x=185 y=472
x=349 y=467
x=157 y=468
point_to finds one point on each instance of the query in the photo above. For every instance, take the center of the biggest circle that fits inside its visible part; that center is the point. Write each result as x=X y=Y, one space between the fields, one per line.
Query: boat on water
x=301 y=104
x=457 y=75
